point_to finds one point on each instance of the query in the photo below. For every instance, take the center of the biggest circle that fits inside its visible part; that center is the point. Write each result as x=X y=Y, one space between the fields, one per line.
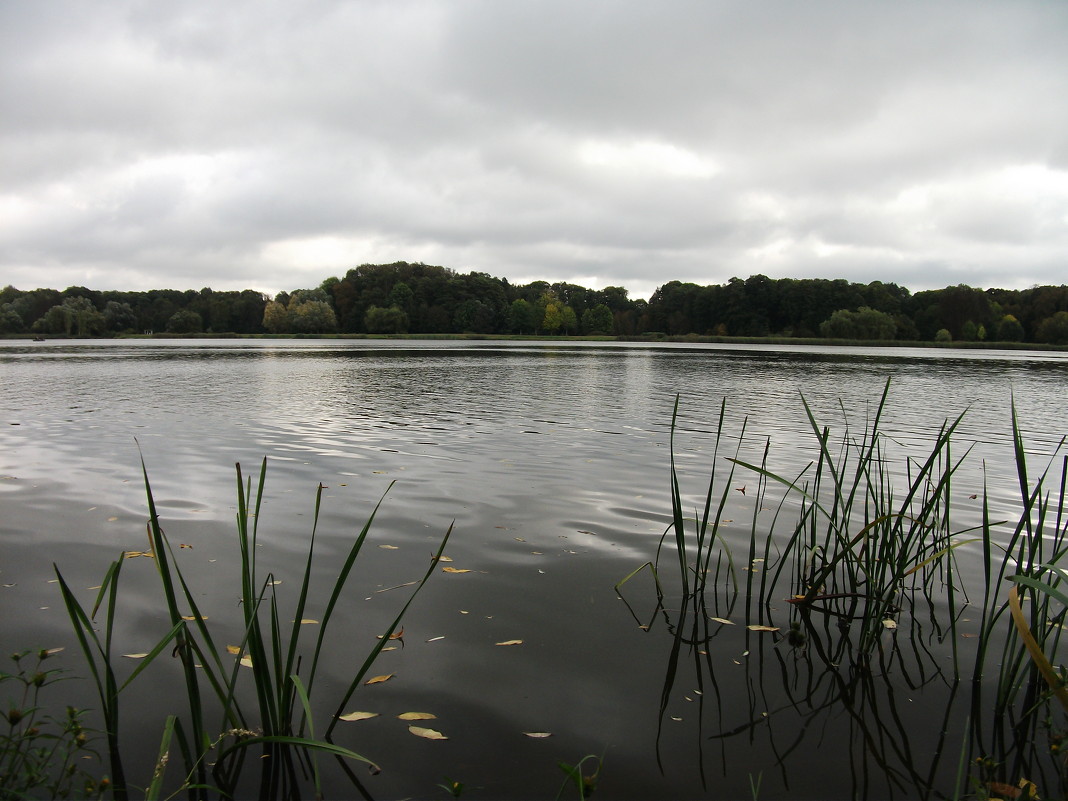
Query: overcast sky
x=270 y=145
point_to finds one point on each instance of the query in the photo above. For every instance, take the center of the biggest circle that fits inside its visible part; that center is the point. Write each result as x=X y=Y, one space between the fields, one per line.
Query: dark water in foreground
x=553 y=462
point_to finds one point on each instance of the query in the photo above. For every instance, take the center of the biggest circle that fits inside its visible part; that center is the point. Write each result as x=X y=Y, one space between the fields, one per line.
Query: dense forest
x=405 y=298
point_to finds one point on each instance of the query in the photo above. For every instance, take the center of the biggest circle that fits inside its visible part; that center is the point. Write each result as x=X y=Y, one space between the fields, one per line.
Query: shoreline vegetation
x=430 y=301
x=648 y=338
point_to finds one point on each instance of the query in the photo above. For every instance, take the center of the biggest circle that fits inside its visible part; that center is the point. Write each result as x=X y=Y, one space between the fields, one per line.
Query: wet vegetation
x=234 y=741
x=404 y=298
x=854 y=596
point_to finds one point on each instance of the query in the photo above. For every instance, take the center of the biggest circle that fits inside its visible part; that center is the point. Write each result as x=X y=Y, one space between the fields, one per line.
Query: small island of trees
x=405 y=298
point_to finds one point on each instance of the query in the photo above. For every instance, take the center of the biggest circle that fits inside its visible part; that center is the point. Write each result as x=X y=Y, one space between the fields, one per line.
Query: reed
x=861 y=542
x=218 y=727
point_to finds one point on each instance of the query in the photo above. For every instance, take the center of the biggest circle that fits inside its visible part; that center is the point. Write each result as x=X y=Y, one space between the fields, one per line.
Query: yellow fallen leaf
x=389 y=547
x=427 y=734
x=435 y=639
x=763 y=628
x=193 y=617
x=447 y=569
x=722 y=620
x=443 y=558
x=135 y=656
x=183 y=545
x=233 y=649
x=379 y=679
x=538 y=733
x=417 y=716
x=307 y=621
x=397 y=635
x=510 y=642
x=358 y=716
x=135 y=554
x=112 y=519
x=246 y=660
x=889 y=624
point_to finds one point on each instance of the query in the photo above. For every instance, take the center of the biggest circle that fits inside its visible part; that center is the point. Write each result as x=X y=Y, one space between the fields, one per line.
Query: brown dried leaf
x=510 y=642
x=427 y=734
x=233 y=649
x=762 y=628
x=448 y=569
x=389 y=547
x=417 y=716
x=135 y=554
x=722 y=620
x=379 y=679
x=193 y=617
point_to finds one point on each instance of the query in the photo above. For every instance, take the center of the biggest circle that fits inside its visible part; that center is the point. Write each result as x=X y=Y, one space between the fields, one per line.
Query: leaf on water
x=591 y=533
x=510 y=642
x=675 y=718
x=379 y=679
x=969 y=635
x=417 y=716
x=274 y=583
x=762 y=628
x=52 y=651
x=889 y=624
x=185 y=545
x=443 y=558
x=233 y=649
x=455 y=570
x=722 y=620
x=464 y=612
x=193 y=617
x=519 y=539
x=307 y=621
x=389 y=547
x=351 y=716
x=427 y=734
x=112 y=519
x=394 y=636
x=538 y=734
x=135 y=656
x=135 y=554
x=246 y=660
x=435 y=639
x=390 y=648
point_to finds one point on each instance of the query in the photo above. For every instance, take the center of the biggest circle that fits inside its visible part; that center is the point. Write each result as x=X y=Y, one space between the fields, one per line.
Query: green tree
x=1010 y=330
x=185 y=321
x=391 y=320
x=312 y=317
x=522 y=317
x=276 y=318
x=1054 y=329
x=943 y=335
x=568 y=320
x=864 y=323
x=554 y=317
x=597 y=320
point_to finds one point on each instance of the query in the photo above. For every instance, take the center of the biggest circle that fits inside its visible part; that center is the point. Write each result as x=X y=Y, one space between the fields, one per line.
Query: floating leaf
x=722 y=620
x=762 y=628
x=447 y=569
x=443 y=558
x=510 y=642
x=379 y=679
x=889 y=624
x=307 y=621
x=435 y=639
x=538 y=734
x=112 y=519
x=184 y=545
x=389 y=547
x=135 y=554
x=135 y=656
x=417 y=716
x=233 y=649
x=427 y=734
x=351 y=716
x=246 y=660
x=193 y=617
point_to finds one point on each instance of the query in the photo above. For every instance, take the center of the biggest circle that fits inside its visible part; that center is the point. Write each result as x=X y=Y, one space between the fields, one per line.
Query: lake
x=551 y=460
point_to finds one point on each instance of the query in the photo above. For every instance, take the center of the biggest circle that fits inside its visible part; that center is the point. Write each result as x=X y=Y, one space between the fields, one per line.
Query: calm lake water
x=553 y=460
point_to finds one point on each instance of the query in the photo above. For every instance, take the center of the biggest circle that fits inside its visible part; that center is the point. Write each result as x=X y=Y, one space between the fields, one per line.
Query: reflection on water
x=552 y=460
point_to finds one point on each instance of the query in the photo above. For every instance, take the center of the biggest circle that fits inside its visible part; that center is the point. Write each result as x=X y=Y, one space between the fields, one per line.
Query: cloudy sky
x=270 y=145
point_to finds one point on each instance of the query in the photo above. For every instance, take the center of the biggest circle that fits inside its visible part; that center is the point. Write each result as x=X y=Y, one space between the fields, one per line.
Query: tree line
x=418 y=298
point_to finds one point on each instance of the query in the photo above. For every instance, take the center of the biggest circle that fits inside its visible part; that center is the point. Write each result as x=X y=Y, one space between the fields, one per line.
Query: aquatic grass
x=281 y=725
x=867 y=576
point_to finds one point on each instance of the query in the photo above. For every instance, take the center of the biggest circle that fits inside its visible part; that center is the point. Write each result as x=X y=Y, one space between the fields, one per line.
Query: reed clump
x=859 y=572
x=220 y=727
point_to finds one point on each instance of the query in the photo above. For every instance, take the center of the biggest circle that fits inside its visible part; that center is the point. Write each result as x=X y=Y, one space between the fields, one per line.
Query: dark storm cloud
x=273 y=144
